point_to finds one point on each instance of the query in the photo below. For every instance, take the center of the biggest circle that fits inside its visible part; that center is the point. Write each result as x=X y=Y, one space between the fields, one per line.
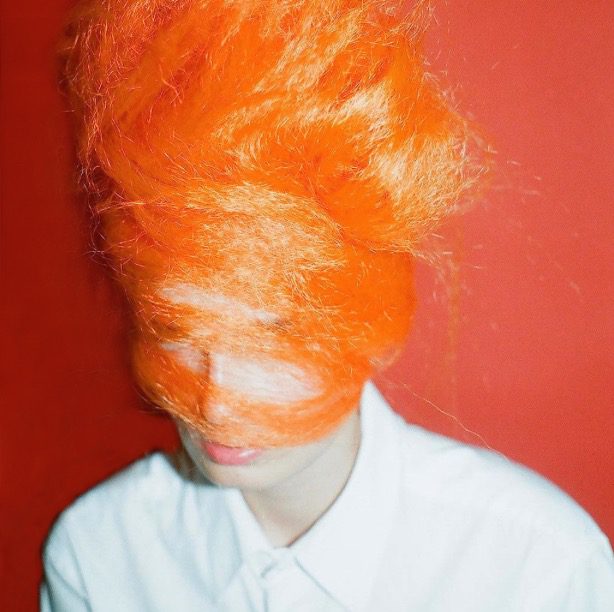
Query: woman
x=264 y=173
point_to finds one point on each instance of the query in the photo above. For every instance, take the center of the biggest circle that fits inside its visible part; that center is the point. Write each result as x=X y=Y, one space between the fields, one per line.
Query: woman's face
x=267 y=468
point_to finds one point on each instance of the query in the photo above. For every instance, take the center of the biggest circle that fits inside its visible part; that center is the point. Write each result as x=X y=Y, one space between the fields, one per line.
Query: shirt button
x=269 y=573
x=270 y=566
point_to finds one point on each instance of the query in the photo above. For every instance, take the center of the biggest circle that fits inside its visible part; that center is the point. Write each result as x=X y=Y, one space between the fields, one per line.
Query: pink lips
x=229 y=455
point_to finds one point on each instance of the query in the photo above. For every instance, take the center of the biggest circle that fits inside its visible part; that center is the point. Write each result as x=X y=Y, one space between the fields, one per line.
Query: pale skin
x=287 y=489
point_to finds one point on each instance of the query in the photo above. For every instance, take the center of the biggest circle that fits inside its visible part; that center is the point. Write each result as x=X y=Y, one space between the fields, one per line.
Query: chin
x=270 y=468
x=252 y=476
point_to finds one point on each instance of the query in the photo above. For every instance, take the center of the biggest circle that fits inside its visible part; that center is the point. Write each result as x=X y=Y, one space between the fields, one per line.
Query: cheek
x=269 y=381
x=185 y=354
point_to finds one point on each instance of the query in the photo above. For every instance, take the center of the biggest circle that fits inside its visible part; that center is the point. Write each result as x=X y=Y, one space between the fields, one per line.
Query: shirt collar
x=242 y=541
x=342 y=551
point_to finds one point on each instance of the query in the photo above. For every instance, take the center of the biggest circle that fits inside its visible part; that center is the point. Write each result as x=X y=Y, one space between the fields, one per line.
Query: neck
x=288 y=510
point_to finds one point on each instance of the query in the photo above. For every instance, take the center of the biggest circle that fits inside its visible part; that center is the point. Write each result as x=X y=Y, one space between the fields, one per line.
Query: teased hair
x=264 y=171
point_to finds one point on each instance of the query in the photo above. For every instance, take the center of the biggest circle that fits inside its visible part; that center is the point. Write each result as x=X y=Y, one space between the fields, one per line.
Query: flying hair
x=264 y=172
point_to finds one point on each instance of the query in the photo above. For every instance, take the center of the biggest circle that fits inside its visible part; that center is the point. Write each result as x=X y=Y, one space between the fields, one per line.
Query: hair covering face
x=263 y=171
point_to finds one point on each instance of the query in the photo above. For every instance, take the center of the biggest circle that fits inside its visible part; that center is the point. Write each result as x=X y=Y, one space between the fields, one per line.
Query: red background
x=513 y=350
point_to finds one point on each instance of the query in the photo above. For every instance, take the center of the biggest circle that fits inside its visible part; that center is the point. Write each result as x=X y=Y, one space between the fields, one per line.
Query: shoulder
x=141 y=540
x=482 y=490
x=485 y=483
x=133 y=489
x=139 y=500
x=93 y=525
x=480 y=518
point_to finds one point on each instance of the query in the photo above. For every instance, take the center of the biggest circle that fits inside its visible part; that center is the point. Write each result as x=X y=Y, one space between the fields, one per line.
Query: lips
x=230 y=455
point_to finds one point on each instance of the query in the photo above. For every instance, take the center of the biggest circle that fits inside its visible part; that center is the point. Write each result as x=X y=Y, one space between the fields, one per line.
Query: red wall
x=514 y=351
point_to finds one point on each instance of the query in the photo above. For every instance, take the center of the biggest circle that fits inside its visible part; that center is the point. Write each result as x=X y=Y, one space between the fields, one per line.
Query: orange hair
x=263 y=171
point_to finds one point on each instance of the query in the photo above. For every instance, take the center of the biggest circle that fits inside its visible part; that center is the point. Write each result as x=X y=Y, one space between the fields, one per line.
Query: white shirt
x=424 y=524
